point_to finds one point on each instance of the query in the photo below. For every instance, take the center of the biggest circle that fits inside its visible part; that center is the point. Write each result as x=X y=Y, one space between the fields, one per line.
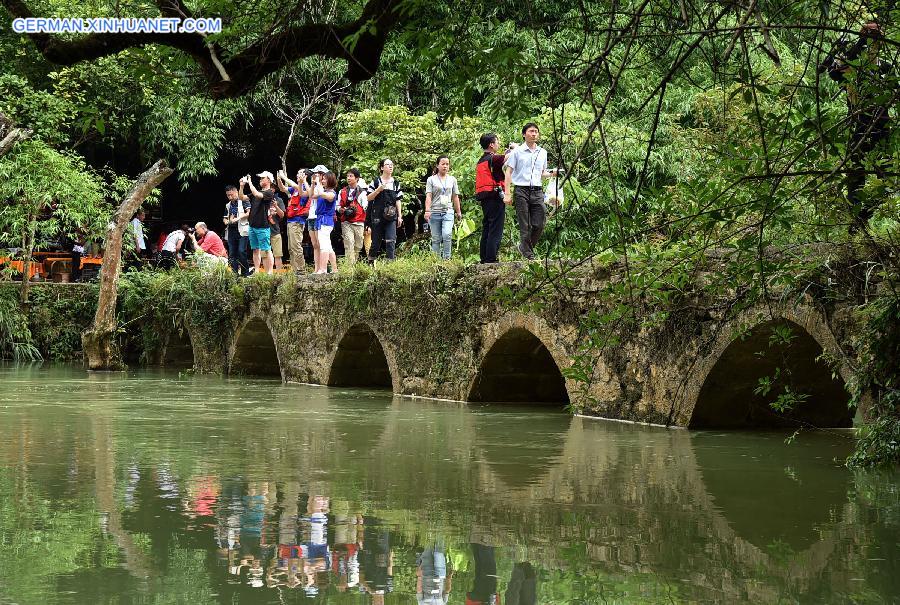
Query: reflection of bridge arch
x=518 y=449
x=253 y=351
x=178 y=349
x=521 y=360
x=362 y=358
x=597 y=465
x=350 y=433
x=721 y=390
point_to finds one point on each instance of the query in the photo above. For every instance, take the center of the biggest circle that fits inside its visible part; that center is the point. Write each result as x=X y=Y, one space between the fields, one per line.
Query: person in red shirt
x=209 y=242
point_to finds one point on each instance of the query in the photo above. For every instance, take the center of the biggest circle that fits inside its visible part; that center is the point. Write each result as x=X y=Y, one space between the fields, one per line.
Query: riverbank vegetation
x=685 y=129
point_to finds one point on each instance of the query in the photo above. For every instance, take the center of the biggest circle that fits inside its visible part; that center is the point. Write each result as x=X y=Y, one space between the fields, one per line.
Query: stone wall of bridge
x=466 y=336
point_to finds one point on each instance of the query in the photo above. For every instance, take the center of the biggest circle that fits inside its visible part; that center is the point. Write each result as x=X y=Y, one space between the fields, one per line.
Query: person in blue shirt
x=325 y=189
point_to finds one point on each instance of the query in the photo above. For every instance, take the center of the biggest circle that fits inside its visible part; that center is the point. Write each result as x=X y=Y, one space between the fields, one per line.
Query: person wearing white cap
x=260 y=234
x=312 y=222
x=325 y=192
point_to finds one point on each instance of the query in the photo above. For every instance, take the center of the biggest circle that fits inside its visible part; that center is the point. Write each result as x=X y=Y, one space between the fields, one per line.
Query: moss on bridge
x=510 y=332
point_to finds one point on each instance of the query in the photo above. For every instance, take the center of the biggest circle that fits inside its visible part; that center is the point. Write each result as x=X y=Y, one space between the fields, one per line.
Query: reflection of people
x=253 y=514
x=345 y=558
x=522 y=588
x=288 y=552
x=433 y=582
x=202 y=495
x=314 y=550
x=861 y=73
x=376 y=561
x=484 y=586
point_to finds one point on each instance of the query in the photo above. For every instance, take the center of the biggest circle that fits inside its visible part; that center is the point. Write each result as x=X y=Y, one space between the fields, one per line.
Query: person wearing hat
x=325 y=191
x=312 y=222
x=260 y=234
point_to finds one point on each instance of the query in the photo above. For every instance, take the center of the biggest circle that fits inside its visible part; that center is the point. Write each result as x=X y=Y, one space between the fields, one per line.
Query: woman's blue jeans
x=441 y=225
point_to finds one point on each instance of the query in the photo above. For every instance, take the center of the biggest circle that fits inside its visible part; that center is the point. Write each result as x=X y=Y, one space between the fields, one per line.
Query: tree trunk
x=28 y=248
x=10 y=135
x=99 y=341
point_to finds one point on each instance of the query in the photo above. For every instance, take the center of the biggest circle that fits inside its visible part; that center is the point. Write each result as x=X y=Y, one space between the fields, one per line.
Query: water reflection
x=806 y=491
x=118 y=490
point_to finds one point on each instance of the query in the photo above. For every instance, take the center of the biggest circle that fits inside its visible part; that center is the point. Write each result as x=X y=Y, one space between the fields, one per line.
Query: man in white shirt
x=525 y=168
x=140 y=244
x=168 y=258
x=137 y=225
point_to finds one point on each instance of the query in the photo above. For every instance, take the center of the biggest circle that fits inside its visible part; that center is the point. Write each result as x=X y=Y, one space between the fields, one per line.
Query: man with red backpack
x=489 y=190
x=351 y=213
x=296 y=212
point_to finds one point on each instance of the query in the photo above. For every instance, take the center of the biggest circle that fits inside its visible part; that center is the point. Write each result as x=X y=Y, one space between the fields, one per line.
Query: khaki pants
x=275 y=241
x=353 y=240
x=295 y=246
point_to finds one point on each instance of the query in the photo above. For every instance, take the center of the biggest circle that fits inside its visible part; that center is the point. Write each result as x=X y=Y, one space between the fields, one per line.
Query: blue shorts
x=312 y=224
x=260 y=238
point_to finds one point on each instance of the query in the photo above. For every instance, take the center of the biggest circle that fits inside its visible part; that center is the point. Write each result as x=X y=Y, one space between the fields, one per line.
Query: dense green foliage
x=57 y=193
x=880 y=440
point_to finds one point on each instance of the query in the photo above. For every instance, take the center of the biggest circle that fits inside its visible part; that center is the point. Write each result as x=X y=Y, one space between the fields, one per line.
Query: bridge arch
x=748 y=349
x=521 y=361
x=253 y=351
x=362 y=358
x=178 y=348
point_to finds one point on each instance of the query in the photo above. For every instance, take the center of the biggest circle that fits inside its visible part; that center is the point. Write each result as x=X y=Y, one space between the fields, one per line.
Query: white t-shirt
x=313 y=202
x=173 y=240
x=138 y=229
x=442 y=191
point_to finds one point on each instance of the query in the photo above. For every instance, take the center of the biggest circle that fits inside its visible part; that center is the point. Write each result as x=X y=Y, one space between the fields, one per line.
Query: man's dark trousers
x=492 y=229
x=531 y=217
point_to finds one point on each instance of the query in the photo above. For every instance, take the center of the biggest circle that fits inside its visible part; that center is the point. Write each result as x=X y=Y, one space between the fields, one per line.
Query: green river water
x=150 y=487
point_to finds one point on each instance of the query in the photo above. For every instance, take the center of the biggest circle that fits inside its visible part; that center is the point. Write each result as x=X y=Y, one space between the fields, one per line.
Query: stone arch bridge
x=468 y=336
